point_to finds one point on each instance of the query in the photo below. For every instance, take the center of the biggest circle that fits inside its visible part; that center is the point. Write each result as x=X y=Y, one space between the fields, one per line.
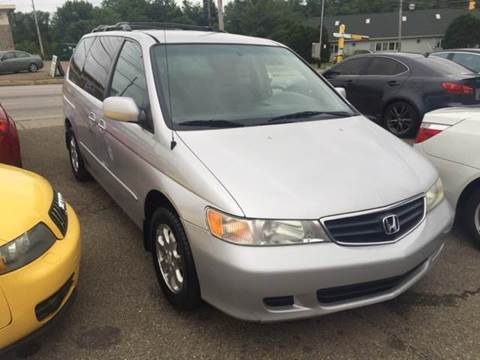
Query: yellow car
x=39 y=253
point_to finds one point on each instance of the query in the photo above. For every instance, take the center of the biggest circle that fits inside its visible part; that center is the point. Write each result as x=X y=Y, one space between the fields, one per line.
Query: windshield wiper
x=310 y=114
x=211 y=123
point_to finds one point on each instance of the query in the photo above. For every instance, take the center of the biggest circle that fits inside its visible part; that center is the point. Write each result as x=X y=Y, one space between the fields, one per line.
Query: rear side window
x=470 y=61
x=438 y=66
x=98 y=64
x=129 y=75
x=22 y=54
x=350 y=67
x=385 y=66
x=442 y=55
x=78 y=60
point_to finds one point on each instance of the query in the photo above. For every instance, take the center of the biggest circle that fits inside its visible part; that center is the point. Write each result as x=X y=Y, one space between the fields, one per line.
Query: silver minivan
x=258 y=187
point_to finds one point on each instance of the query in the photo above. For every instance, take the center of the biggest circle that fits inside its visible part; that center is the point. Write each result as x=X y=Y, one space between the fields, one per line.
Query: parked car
x=469 y=58
x=9 y=143
x=450 y=138
x=259 y=188
x=397 y=89
x=16 y=61
x=39 y=254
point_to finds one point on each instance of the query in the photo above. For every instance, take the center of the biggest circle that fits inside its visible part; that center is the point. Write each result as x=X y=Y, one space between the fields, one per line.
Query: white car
x=450 y=138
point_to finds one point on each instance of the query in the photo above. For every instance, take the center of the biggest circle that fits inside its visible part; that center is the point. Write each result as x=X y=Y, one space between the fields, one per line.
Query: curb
x=31 y=82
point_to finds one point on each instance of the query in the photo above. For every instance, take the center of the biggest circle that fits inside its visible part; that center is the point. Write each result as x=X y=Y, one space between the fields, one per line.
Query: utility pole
x=400 y=23
x=38 y=30
x=221 y=25
x=320 y=43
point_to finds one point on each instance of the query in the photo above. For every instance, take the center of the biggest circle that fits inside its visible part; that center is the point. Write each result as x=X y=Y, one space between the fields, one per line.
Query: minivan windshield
x=221 y=85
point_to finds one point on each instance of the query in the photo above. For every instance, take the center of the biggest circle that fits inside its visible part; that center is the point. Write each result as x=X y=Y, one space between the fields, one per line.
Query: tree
x=25 y=33
x=463 y=32
x=279 y=20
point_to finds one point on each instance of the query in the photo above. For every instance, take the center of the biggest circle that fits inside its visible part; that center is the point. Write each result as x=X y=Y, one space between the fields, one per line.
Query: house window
x=337 y=22
x=367 y=21
x=439 y=44
x=438 y=16
x=387 y=46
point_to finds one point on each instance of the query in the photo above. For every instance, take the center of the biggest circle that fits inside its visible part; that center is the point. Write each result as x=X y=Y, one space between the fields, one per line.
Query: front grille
x=350 y=292
x=368 y=227
x=52 y=304
x=58 y=213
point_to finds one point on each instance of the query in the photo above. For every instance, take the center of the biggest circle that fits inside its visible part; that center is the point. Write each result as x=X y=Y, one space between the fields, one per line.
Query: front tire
x=76 y=161
x=173 y=260
x=401 y=119
x=471 y=216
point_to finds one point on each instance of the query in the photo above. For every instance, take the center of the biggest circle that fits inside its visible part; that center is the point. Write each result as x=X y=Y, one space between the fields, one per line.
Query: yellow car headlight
x=26 y=248
x=435 y=195
x=263 y=232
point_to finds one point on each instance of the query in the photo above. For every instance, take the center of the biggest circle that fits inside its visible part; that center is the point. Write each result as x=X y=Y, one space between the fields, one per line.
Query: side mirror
x=121 y=109
x=341 y=91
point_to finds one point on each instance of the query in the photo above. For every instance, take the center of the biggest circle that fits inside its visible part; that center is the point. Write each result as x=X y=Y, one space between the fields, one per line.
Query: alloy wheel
x=169 y=260
x=400 y=119
x=74 y=154
x=33 y=68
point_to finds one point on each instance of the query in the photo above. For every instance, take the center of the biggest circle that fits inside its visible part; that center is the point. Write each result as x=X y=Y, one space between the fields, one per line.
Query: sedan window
x=470 y=61
x=350 y=67
x=8 y=56
x=385 y=66
x=21 y=54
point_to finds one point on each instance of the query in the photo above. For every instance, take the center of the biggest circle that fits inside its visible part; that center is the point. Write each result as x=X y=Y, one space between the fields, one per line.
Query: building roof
x=7 y=7
x=417 y=23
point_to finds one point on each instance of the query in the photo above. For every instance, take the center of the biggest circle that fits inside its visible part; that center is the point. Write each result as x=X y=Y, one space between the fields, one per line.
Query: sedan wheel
x=401 y=119
x=477 y=219
x=33 y=68
x=74 y=154
x=470 y=215
x=169 y=260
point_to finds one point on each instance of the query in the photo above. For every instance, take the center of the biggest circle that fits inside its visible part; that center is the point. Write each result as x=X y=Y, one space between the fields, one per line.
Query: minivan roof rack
x=130 y=26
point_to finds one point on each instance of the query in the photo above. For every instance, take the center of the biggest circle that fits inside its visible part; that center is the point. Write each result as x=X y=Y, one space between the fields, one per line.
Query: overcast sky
x=45 y=5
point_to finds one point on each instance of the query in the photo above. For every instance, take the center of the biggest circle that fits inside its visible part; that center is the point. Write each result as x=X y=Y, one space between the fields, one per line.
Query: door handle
x=102 y=124
x=393 y=83
x=92 y=117
x=349 y=81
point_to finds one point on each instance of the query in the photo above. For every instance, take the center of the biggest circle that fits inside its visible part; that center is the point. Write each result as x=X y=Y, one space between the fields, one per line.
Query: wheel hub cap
x=169 y=260
x=74 y=154
x=399 y=120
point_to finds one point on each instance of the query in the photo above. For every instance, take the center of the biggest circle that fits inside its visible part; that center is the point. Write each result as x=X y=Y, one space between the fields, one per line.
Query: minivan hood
x=312 y=169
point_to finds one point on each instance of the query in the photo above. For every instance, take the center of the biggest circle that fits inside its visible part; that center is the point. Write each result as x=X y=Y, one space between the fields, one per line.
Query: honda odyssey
x=258 y=187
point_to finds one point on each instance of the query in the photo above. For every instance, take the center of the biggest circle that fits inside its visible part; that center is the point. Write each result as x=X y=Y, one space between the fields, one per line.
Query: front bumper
x=42 y=288
x=238 y=279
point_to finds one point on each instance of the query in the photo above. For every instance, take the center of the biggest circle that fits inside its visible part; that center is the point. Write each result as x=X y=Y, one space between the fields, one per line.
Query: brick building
x=6 y=38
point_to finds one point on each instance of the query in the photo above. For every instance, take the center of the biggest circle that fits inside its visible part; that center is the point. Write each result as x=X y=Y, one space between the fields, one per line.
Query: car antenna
x=173 y=143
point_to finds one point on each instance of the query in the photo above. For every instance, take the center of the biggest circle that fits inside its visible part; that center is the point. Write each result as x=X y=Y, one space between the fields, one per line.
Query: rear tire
x=76 y=161
x=401 y=119
x=32 y=67
x=471 y=216
x=173 y=260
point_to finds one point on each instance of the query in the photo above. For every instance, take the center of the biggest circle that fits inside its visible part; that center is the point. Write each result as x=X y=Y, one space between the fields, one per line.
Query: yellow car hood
x=25 y=199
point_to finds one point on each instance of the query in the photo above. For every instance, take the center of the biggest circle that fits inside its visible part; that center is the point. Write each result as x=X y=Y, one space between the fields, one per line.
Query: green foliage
x=463 y=32
x=25 y=33
x=279 y=20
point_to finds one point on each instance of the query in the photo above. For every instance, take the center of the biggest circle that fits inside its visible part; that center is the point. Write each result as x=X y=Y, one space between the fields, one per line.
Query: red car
x=9 y=143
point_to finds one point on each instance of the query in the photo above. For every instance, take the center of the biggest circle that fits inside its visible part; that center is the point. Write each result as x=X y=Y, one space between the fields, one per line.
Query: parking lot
x=120 y=312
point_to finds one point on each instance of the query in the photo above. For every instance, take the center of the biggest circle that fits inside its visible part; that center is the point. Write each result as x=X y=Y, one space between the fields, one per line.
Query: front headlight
x=26 y=248
x=435 y=195
x=264 y=232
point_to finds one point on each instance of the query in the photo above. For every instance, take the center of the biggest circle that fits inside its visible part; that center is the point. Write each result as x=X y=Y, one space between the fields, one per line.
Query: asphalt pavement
x=120 y=313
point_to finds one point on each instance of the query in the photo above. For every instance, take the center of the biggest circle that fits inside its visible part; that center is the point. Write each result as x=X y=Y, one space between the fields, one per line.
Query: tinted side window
x=470 y=61
x=20 y=54
x=350 y=67
x=442 y=55
x=385 y=66
x=129 y=75
x=9 y=55
x=98 y=64
x=78 y=60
